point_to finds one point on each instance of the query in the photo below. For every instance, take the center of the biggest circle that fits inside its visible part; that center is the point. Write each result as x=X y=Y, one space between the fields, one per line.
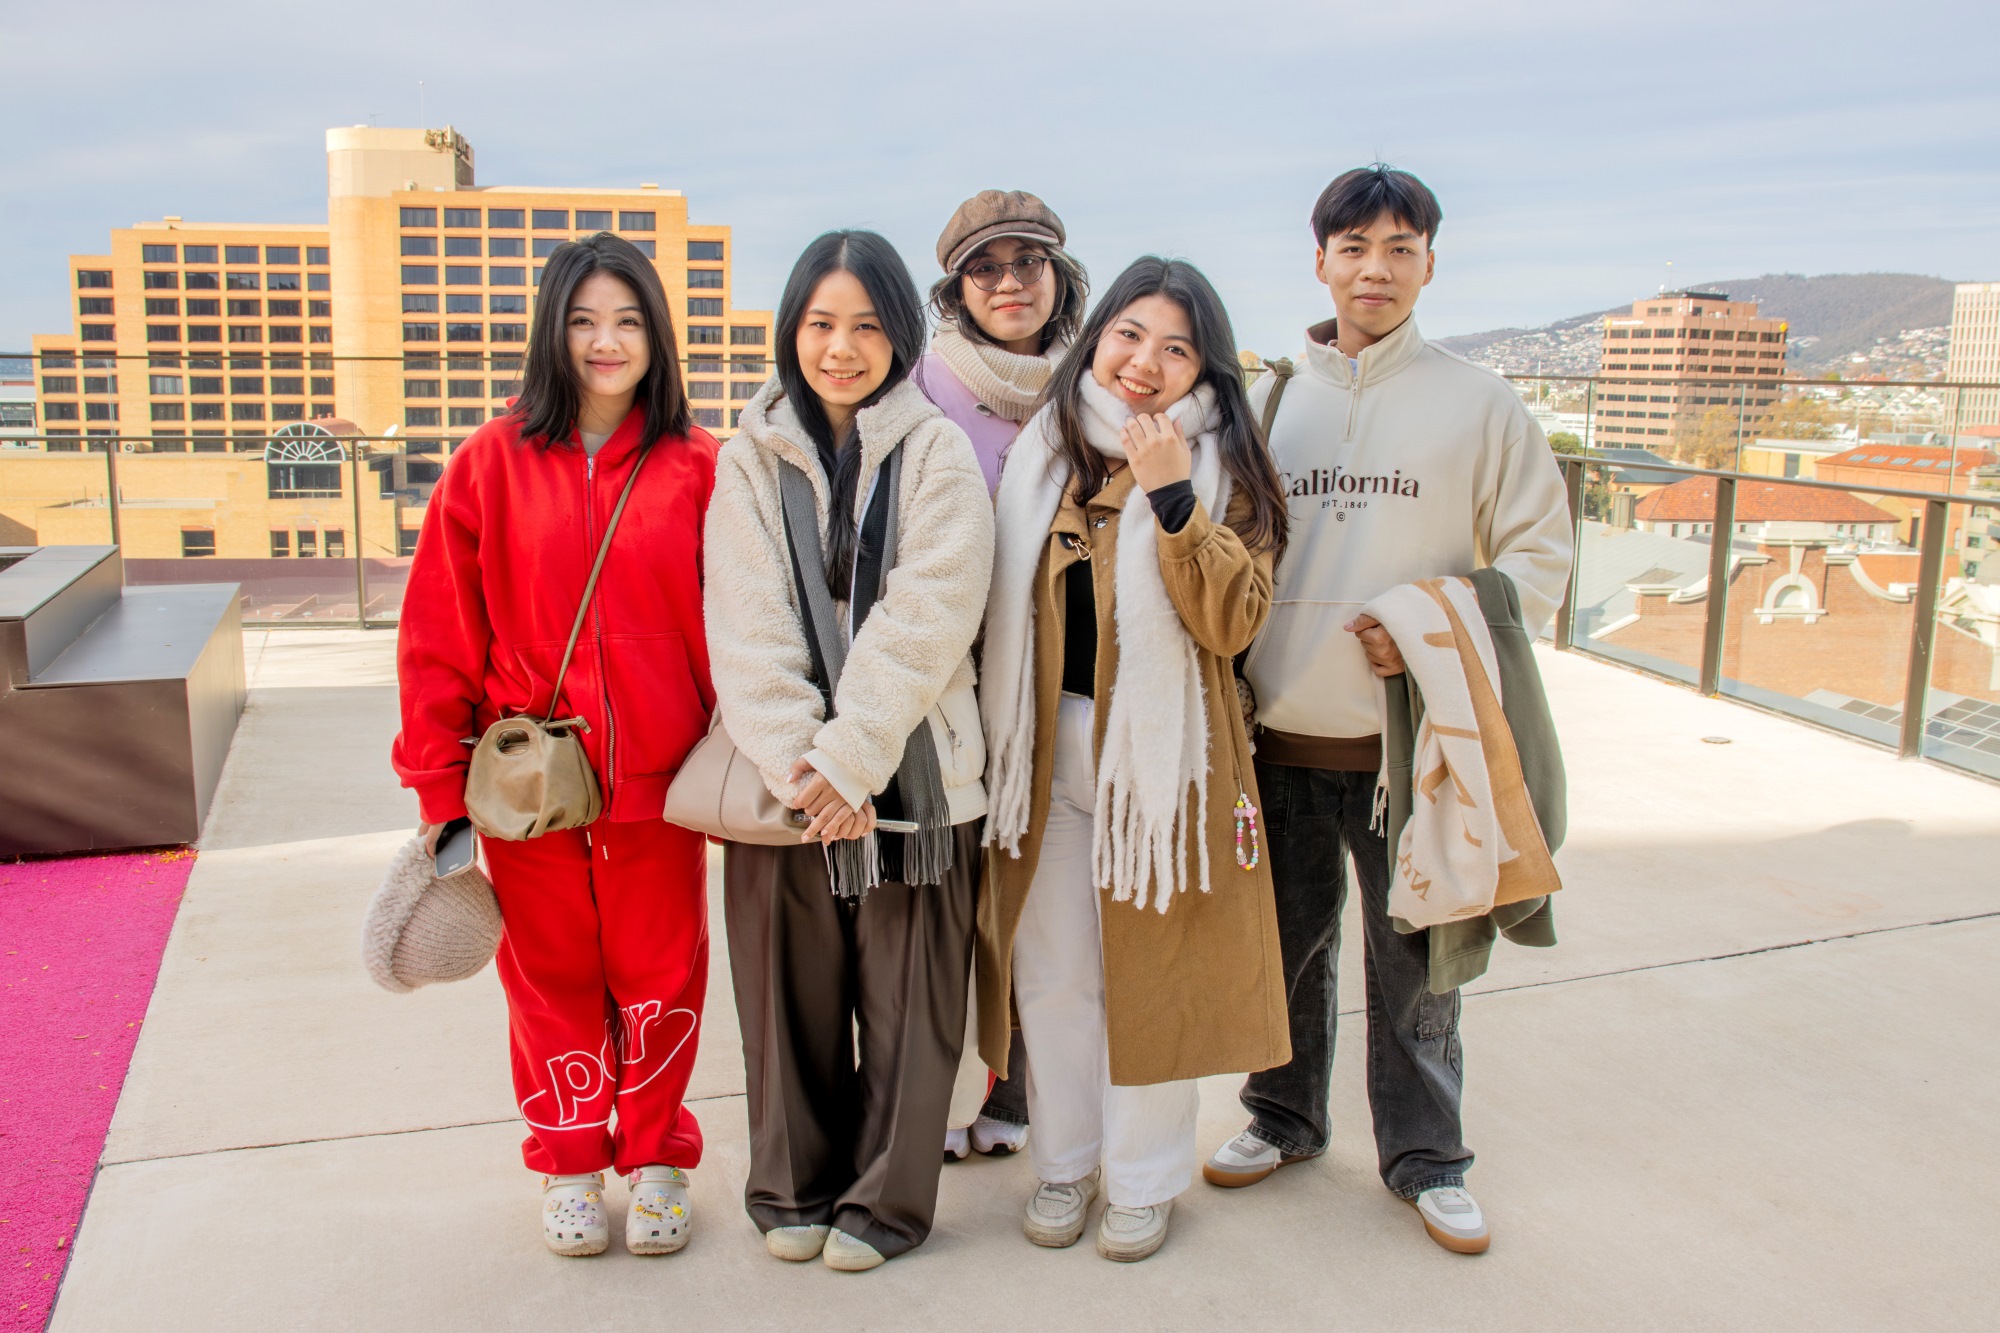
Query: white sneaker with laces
x=660 y=1218
x=850 y=1254
x=1128 y=1235
x=573 y=1214
x=1453 y=1219
x=957 y=1145
x=1245 y=1160
x=1056 y=1214
x=995 y=1137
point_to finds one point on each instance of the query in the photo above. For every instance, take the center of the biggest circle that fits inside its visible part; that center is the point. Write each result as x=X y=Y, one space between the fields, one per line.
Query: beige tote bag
x=720 y=793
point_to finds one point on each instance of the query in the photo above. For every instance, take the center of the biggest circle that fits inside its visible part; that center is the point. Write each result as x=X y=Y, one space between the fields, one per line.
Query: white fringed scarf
x=1007 y=382
x=1156 y=733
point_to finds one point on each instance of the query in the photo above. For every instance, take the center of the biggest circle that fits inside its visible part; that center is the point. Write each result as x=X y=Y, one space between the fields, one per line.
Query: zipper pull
x=589 y=466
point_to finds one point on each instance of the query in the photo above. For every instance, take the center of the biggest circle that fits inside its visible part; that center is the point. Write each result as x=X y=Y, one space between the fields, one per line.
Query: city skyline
x=1798 y=147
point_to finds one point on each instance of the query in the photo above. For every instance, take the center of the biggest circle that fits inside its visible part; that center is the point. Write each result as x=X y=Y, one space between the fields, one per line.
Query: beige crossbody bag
x=528 y=775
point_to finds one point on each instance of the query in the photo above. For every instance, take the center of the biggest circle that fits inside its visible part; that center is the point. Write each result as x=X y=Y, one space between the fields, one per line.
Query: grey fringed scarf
x=916 y=793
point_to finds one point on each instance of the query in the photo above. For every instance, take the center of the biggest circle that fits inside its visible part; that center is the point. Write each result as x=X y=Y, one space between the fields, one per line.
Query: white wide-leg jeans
x=1144 y=1137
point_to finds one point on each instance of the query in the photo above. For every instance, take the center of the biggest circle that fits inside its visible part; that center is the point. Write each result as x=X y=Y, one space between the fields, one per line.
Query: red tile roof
x=1909 y=460
x=1693 y=501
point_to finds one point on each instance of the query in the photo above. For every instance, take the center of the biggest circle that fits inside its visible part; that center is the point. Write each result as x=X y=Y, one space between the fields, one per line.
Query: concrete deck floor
x=1753 y=1088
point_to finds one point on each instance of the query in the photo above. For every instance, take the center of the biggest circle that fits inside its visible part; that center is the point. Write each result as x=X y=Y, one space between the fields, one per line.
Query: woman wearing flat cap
x=1009 y=303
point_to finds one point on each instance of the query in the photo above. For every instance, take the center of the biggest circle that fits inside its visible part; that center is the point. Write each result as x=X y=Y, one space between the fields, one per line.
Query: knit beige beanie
x=420 y=929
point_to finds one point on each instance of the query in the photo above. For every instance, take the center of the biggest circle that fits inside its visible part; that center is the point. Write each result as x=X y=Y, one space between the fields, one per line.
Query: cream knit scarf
x=1005 y=381
x=1156 y=732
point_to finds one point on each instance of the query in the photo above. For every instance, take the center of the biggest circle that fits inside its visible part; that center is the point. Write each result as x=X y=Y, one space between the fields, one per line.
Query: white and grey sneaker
x=1245 y=1160
x=573 y=1214
x=957 y=1145
x=1130 y=1234
x=996 y=1137
x=660 y=1218
x=850 y=1254
x=1056 y=1214
x=796 y=1244
x=1453 y=1219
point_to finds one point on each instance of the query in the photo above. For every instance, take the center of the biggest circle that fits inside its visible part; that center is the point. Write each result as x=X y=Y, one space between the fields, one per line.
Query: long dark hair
x=886 y=278
x=1245 y=455
x=549 y=399
x=947 y=298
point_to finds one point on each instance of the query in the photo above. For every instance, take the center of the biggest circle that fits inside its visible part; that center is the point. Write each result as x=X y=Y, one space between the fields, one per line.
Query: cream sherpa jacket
x=911 y=664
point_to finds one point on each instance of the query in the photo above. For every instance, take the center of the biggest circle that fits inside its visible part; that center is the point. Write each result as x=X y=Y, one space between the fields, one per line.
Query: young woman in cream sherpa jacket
x=859 y=923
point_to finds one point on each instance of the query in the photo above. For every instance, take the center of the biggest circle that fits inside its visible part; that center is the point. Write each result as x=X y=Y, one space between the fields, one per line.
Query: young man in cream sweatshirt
x=1403 y=462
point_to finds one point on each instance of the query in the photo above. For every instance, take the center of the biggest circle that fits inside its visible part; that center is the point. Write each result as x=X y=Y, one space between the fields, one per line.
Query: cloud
x=1577 y=146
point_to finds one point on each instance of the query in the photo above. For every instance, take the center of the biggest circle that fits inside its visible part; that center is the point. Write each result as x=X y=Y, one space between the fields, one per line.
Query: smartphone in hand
x=454 y=847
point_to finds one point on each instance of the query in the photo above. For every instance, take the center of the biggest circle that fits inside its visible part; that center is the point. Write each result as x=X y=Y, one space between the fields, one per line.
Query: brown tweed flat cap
x=991 y=214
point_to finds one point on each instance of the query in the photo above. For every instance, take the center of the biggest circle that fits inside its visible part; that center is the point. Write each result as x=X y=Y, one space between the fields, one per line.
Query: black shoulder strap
x=1281 y=374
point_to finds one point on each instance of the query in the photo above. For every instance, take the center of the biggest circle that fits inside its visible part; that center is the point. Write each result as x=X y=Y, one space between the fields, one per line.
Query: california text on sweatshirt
x=1420 y=465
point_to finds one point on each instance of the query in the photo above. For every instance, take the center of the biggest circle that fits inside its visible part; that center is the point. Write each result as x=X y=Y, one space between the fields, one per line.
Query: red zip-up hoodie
x=506 y=548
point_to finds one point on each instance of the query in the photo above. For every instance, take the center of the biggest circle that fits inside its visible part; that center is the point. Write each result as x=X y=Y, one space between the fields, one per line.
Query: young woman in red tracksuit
x=605 y=955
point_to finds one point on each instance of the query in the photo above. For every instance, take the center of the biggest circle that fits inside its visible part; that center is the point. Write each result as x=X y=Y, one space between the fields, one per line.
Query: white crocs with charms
x=660 y=1219
x=573 y=1214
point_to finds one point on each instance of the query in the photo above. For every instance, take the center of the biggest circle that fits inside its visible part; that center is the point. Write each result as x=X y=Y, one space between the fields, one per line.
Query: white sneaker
x=660 y=1219
x=1453 y=1219
x=1245 y=1160
x=796 y=1244
x=995 y=1137
x=1130 y=1234
x=957 y=1145
x=1056 y=1213
x=573 y=1214
x=850 y=1254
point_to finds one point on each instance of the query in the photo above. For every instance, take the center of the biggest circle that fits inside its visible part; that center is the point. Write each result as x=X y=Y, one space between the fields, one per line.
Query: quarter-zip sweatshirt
x=506 y=548
x=1415 y=465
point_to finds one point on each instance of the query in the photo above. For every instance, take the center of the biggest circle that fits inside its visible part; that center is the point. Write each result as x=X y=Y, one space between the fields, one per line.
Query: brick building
x=1911 y=467
x=1679 y=354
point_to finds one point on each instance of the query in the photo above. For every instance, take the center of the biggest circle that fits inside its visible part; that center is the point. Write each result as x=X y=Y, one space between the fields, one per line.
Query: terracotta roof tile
x=1908 y=460
x=1693 y=501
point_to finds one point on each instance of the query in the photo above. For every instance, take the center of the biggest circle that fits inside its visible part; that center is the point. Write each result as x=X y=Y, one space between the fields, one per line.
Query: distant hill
x=1832 y=317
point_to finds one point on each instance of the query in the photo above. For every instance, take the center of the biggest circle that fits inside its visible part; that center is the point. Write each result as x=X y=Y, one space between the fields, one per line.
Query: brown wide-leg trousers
x=839 y=1135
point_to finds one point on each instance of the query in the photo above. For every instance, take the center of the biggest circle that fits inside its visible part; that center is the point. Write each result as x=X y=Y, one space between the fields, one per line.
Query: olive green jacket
x=1460 y=950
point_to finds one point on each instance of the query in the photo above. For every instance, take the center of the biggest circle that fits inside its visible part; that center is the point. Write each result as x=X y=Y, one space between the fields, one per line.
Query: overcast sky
x=1577 y=147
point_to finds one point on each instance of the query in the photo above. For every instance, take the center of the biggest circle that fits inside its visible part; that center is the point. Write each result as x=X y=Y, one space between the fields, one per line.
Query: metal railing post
x=360 y=567
x=111 y=493
x=1566 y=613
x=1923 y=636
x=1715 y=629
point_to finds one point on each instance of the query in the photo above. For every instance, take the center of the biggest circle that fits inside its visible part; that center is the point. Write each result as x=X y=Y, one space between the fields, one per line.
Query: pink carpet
x=80 y=943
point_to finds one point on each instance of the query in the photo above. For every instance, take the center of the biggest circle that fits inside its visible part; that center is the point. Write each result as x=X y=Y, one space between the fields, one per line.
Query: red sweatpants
x=605 y=965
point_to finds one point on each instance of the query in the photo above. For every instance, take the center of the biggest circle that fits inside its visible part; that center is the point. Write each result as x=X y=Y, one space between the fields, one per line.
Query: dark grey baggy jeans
x=1311 y=817
x=852 y=1018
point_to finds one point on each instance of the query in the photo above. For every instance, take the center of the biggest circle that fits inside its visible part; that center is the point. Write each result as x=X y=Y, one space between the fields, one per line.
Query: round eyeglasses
x=987 y=274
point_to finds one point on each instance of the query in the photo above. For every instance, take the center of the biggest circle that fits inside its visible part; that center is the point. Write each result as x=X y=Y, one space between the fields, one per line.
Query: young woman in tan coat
x=1127 y=914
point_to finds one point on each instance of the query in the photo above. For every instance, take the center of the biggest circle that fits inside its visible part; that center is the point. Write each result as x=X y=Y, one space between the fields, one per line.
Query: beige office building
x=406 y=313
x=1975 y=350
x=1679 y=354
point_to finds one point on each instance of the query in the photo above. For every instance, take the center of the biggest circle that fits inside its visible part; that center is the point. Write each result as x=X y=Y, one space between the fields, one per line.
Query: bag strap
x=590 y=585
x=816 y=611
x=1281 y=371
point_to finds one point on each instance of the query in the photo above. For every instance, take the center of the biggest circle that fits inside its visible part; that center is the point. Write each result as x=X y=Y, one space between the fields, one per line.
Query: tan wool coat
x=1199 y=989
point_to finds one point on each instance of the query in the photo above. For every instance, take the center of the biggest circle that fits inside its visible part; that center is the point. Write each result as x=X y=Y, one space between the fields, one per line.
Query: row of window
x=1717 y=335
x=167 y=280
x=466 y=333
x=457 y=303
x=467 y=275
x=293 y=386
x=237 y=411
x=545 y=219
x=212 y=333
x=287 y=255
x=239 y=307
x=460 y=388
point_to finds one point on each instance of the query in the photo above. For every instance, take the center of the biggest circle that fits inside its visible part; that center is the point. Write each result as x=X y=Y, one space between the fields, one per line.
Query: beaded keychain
x=1246 y=814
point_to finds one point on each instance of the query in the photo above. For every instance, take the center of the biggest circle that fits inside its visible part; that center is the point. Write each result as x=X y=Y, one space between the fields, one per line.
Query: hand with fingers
x=1156 y=450
x=1384 y=657
x=833 y=819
